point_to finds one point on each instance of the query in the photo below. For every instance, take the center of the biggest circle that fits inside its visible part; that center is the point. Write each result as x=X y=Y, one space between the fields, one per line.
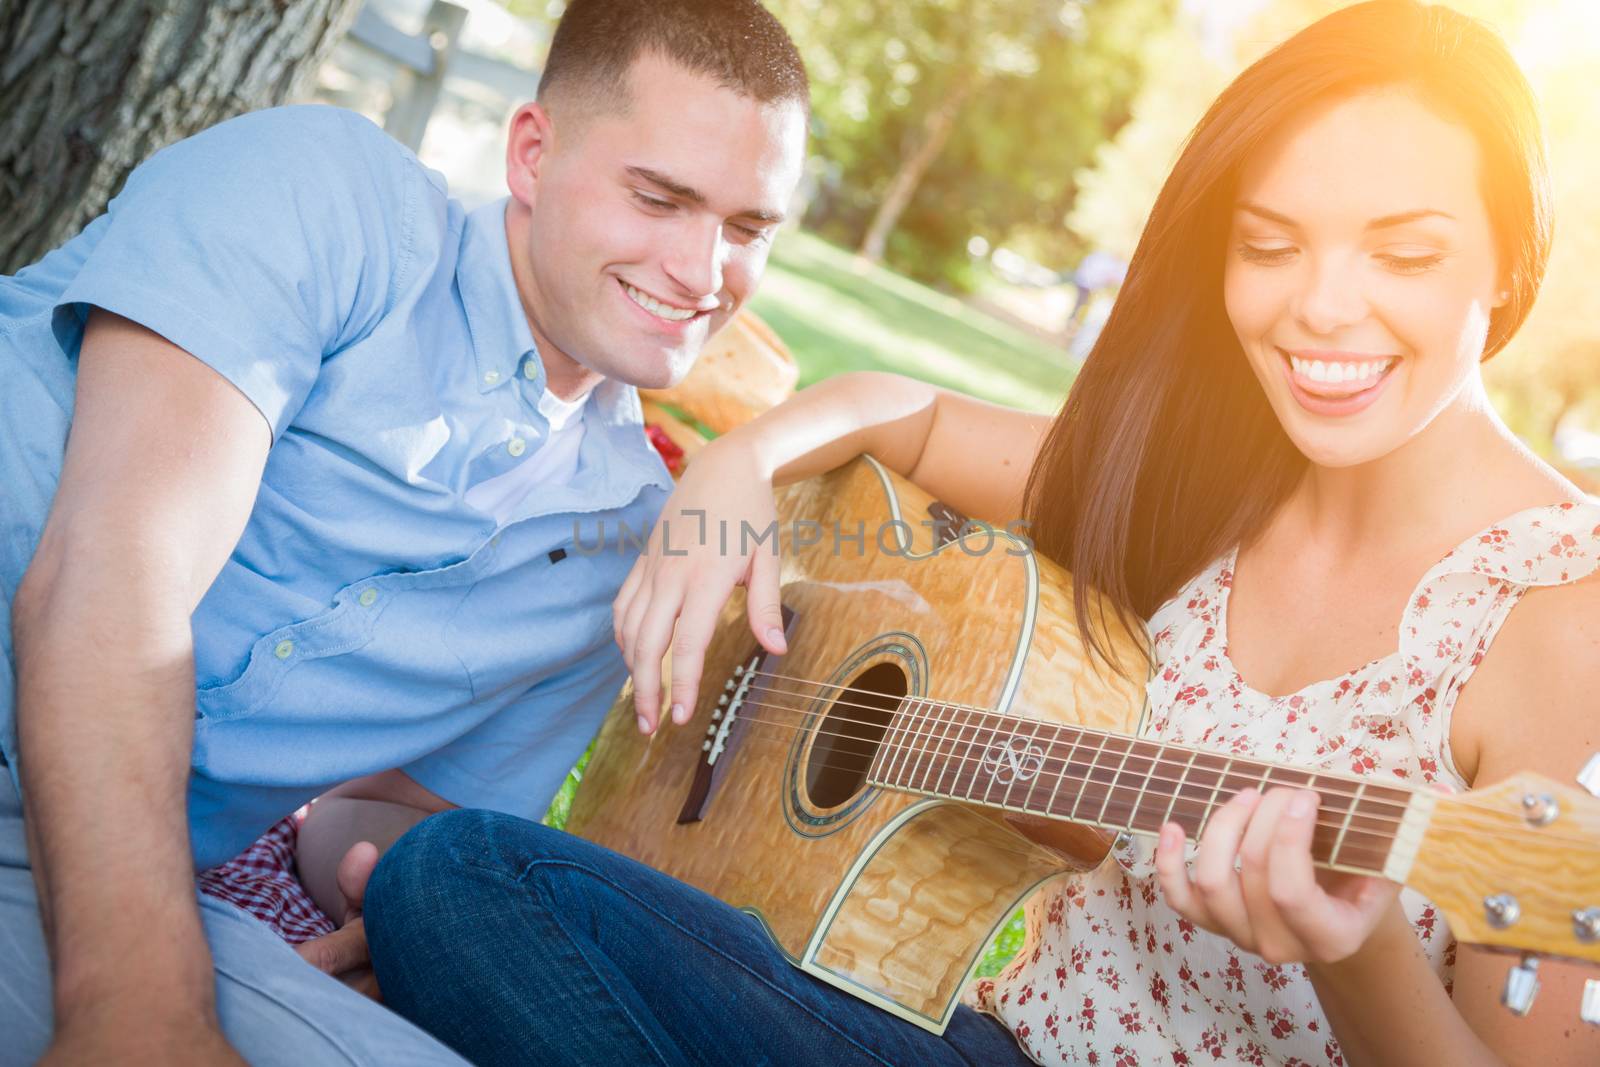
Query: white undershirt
x=554 y=462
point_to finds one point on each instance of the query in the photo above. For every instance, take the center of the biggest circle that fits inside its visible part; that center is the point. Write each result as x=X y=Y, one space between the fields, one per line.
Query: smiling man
x=293 y=451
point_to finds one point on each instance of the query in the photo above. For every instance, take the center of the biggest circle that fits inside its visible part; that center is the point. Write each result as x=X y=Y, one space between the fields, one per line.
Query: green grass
x=838 y=314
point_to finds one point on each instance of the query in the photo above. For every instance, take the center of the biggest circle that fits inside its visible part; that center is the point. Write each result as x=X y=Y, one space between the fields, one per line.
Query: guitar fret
x=877 y=772
x=1111 y=789
x=1155 y=761
x=994 y=774
x=1066 y=764
x=1211 y=805
x=902 y=743
x=926 y=750
x=1177 y=790
x=1021 y=764
x=911 y=746
x=1088 y=775
x=975 y=746
x=1044 y=765
x=954 y=762
x=942 y=750
x=1344 y=827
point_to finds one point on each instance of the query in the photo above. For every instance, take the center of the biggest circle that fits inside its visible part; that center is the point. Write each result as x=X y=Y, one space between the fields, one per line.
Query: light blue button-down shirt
x=368 y=618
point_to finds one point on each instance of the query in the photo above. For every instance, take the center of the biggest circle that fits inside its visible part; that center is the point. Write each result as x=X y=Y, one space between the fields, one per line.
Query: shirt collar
x=616 y=407
x=501 y=336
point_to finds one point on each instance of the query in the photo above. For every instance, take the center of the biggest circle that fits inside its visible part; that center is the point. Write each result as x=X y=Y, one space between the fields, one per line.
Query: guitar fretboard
x=1116 y=782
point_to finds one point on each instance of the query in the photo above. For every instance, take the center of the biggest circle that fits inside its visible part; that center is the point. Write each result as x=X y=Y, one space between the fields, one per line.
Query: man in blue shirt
x=256 y=568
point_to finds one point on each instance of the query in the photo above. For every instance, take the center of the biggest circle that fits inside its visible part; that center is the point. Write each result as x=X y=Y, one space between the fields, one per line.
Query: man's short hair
x=738 y=43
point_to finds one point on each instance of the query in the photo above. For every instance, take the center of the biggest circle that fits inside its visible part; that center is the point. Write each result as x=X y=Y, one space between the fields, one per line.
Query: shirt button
x=530 y=370
x=517 y=446
x=284 y=649
x=490 y=377
x=368 y=597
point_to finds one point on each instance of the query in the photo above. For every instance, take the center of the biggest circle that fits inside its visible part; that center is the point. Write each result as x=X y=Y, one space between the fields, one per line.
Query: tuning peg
x=1589 y=777
x=1540 y=809
x=1590 y=1011
x=1522 y=985
x=1502 y=910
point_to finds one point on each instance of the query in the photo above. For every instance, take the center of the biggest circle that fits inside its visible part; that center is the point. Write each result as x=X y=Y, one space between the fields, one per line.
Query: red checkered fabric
x=263 y=881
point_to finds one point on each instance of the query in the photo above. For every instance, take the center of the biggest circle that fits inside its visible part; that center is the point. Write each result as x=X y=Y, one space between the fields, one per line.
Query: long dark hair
x=1167 y=453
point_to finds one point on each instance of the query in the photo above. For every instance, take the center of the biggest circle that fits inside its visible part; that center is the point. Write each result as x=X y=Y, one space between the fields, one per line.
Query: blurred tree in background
x=940 y=120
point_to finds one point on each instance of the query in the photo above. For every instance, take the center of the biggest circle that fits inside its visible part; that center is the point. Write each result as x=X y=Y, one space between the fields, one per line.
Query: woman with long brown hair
x=1280 y=459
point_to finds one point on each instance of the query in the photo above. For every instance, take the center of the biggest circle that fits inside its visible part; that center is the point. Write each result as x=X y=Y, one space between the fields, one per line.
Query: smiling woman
x=1408 y=293
x=1333 y=206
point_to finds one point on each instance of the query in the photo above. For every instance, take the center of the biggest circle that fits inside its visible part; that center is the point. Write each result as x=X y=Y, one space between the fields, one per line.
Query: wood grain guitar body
x=888 y=895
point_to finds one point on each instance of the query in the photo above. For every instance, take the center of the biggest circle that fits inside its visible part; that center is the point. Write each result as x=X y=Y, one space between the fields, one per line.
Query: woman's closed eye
x=1399 y=263
x=1413 y=263
x=1266 y=255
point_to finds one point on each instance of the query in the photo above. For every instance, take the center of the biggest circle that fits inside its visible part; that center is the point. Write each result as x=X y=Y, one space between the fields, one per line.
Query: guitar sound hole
x=849 y=735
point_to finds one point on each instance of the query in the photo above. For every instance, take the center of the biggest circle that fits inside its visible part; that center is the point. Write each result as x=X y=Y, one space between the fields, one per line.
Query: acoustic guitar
x=883 y=834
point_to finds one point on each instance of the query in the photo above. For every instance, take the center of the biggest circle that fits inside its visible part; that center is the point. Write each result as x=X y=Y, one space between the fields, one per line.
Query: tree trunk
x=89 y=88
x=936 y=130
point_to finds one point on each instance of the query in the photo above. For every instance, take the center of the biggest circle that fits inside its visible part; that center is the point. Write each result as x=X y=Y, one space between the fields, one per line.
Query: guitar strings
x=862 y=762
x=1492 y=828
x=1493 y=825
x=1479 y=826
x=1039 y=725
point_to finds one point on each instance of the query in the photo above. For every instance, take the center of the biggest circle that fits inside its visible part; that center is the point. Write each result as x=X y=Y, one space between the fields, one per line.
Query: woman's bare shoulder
x=1531 y=704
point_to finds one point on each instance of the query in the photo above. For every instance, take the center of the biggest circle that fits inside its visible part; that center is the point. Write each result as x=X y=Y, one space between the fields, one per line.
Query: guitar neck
x=1116 y=782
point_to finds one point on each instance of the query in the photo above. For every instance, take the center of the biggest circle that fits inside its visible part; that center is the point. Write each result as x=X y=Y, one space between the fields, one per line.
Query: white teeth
x=1339 y=373
x=656 y=307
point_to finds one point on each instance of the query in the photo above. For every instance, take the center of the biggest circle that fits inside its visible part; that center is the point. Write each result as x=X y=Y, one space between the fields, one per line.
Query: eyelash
x=1269 y=257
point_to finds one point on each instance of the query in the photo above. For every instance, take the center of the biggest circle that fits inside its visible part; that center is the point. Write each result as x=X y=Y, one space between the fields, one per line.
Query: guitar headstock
x=1516 y=866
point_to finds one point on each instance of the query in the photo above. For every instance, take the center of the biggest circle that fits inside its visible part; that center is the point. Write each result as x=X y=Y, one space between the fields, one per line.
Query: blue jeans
x=517 y=944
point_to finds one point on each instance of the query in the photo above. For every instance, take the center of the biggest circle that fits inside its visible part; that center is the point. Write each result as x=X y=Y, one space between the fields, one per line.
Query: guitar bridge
x=751 y=678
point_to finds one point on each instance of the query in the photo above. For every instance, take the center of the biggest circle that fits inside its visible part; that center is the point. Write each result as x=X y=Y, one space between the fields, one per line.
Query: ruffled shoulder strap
x=1461 y=602
x=1549 y=545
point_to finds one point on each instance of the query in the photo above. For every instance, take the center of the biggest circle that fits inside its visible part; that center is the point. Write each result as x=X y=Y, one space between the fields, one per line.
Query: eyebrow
x=696 y=197
x=1383 y=223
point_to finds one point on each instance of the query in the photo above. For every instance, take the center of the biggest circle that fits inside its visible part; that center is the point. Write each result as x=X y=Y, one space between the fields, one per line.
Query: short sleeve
x=260 y=246
x=517 y=758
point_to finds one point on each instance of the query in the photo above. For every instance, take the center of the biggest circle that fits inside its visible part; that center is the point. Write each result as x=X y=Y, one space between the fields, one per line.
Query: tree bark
x=89 y=88
x=936 y=130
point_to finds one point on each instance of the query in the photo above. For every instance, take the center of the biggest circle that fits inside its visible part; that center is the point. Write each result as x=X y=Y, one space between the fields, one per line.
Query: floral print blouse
x=1108 y=974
